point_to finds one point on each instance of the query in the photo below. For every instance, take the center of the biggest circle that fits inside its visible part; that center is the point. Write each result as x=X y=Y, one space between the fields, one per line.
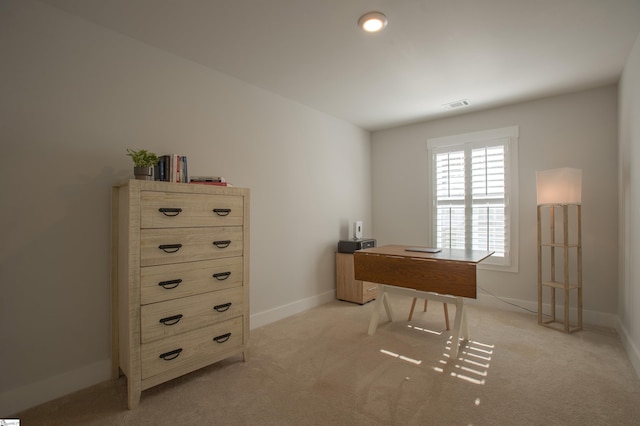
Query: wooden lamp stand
x=559 y=193
x=549 y=252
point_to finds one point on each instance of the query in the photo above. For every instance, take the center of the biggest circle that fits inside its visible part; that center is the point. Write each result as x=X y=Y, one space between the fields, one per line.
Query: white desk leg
x=382 y=299
x=465 y=331
x=373 y=323
x=387 y=305
x=459 y=327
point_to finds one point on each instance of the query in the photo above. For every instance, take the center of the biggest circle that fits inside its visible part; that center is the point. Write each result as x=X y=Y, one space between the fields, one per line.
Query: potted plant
x=143 y=163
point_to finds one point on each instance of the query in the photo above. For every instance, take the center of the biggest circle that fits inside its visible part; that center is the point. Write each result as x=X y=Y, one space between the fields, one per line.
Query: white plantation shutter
x=450 y=192
x=489 y=221
x=472 y=178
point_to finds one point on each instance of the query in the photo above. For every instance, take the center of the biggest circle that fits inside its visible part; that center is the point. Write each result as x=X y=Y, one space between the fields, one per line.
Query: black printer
x=350 y=246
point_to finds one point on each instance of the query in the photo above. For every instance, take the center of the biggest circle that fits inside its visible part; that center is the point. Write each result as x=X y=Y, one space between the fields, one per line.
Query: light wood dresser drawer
x=165 y=282
x=190 y=348
x=170 y=210
x=369 y=291
x=176 y=316
x=158 y=247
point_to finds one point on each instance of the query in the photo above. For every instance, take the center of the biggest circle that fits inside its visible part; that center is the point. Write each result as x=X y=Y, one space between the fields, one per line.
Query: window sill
x=485 y=266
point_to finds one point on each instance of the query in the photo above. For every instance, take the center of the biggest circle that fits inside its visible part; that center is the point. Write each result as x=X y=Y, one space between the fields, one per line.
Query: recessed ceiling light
x=372 y=22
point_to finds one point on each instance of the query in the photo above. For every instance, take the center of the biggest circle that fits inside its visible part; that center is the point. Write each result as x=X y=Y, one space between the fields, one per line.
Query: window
x=474 y=205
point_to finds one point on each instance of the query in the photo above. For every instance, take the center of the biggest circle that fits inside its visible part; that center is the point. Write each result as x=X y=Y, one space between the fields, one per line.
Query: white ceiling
x=491 y=52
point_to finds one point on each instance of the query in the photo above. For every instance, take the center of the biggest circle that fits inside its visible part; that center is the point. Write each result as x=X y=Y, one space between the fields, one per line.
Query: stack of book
x=209 y=180
x=172 y=168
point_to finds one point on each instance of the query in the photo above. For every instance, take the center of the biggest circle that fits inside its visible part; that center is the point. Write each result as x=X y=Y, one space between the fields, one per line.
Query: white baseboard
x=600 y=319
x=272 y=315
x=632 y=350
x=24 y=397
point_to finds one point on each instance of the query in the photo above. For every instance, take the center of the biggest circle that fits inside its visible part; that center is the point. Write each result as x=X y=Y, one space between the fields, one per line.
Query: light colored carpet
x=321 y=368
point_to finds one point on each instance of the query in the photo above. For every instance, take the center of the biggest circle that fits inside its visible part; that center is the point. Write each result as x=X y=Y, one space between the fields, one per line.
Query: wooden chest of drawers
x=347 y=287
x=180 y=279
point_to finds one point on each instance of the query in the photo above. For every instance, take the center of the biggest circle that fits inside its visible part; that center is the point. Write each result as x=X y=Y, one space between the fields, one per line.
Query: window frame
x=469 y=141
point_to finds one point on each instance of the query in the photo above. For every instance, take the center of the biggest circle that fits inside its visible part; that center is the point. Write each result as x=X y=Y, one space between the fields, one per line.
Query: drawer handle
x=173 y=320
x=168 y=356
x=222 y=338
x=222 y=212
x=221 y=276
x=223 y=307
x=169 y=211
x=168 y=285
x=222 y=243
x=170 y=248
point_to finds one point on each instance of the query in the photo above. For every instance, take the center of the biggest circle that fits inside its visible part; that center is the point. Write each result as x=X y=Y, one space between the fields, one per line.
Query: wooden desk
x=447 y=276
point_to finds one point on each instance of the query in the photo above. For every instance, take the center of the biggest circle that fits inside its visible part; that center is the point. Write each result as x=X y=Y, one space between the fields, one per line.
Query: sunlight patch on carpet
x=472 y=364
x=424 y=330
x=402 y=357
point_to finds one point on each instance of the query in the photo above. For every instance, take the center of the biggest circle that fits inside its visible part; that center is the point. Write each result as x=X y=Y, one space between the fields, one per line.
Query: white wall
x=73 y=97
x=576 y=130
x=629 y=163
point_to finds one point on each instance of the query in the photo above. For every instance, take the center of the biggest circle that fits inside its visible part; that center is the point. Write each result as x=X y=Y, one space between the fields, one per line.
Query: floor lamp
x=559 y=194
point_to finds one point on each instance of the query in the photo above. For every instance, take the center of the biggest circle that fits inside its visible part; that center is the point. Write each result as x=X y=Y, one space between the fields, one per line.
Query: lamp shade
x=559 y=186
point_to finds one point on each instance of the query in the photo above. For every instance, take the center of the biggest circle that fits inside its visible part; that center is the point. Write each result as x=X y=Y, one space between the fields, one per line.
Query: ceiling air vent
x=456 y=104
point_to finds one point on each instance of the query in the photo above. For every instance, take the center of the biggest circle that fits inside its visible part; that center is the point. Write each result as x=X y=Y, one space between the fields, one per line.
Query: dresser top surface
x=152 y=185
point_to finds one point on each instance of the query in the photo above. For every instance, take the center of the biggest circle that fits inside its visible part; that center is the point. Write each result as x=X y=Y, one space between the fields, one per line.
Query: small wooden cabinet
x=180 y=279
x=347 y=287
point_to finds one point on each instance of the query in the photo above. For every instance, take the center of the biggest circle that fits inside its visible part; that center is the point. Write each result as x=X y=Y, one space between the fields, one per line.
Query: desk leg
x=459 y=328
x=373 y=323
x=465 y=331
x=382 y=299
x=387 y=305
